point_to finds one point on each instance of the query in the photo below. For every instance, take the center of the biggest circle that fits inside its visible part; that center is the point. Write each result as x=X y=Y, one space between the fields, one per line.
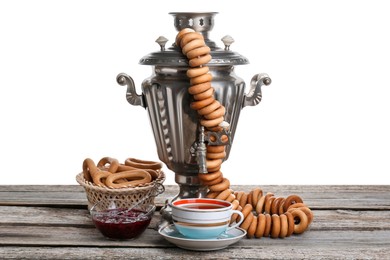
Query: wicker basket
x=129 y=195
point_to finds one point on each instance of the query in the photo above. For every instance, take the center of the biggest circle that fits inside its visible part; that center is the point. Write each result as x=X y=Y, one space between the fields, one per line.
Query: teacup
x=203 y=218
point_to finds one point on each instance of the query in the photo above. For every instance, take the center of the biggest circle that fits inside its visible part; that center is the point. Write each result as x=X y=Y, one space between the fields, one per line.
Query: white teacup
x=203 y=218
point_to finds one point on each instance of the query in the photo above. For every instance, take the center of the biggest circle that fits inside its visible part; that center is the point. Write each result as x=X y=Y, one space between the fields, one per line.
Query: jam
x=122 y=224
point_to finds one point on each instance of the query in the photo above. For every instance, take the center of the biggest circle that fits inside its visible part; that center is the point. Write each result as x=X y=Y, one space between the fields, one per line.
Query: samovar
x=175 y=125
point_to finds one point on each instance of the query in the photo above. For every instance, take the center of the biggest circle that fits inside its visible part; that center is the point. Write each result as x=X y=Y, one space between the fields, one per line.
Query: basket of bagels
x=133 y=181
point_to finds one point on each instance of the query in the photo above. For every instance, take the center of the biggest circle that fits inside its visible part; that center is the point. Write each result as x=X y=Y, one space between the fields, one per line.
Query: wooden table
x=52 y=222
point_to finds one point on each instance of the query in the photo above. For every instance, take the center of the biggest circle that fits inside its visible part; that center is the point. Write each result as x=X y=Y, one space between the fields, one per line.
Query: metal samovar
x=175 y=125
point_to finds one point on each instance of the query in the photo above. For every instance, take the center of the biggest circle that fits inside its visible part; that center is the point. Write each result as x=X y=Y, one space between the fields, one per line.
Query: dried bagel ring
x=281 y=204
x=219 y=179
x=89 y=168
x=143 y=164
x=220 y=111
x=201 y=79
x=260 y=226
x=308 y=213
x=275 y=205
x=203 y=50
x=268 y=224
x=239 y=194
x=199 y=88
x=301 y=221
x=291 y=200
x=100 y=178
x=209 y=176
x=212 y=195
x=215 y=148
x=211 y=164
x=275 y=228
x=214 y=169
x=235 y=204
x=195 y=62
x=246 y=210
x=231 y=198
x=212 y=122
x=243 y=200
x=260 y=205
x=249 y=198
x=268 y=204
x=225 y=184
x=153 y=173
x=291 y=223
x=181 y=34
x=192 y=45
x=196 y=105
x=213 y=156
x=252 y=228
x=113 y=164
x=256 y=195
x=188 y=37
x=209 y=109
x=124 y=167
x=283 y=226
x=247 y=221
x=217 y=113
x=205 y=94
x=195 y=72
x=224 y=194
x=134 y=177
x=296 y=205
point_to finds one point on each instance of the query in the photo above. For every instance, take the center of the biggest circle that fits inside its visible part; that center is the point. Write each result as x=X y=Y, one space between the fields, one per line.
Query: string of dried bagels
x=264 y=214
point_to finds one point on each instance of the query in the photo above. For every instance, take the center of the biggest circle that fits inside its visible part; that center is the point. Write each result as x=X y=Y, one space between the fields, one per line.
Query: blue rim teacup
x=202 y=218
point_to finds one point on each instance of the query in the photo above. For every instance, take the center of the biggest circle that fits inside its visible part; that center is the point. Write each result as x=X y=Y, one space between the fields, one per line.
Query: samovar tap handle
x=254 y=96
x=131 y=94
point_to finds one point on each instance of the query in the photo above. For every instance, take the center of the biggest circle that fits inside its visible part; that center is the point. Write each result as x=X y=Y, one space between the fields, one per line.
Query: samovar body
x=165 y=96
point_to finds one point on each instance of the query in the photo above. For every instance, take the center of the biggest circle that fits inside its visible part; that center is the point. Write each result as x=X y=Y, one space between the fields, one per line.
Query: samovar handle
x=254 y=95
x=131 y=94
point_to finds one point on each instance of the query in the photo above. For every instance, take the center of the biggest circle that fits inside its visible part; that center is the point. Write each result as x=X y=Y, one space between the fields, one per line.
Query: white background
x=323 y=120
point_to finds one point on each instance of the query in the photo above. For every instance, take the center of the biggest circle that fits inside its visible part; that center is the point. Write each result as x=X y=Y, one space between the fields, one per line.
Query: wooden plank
x=56 y=195
x=269 y=252
x=41 y=188
x=314 y=244
x=317 y=197
x=282 y=189
x=81 y=236
x=68 y=217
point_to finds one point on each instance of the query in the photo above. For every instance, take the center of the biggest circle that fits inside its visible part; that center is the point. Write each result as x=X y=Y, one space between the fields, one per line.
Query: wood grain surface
x=52 y=222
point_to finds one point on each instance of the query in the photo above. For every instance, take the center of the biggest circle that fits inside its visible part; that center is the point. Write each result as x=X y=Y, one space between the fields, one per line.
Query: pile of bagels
x=110 y=173
x=265 y=215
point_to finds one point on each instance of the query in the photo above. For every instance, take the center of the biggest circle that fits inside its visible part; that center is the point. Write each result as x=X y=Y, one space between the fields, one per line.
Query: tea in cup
x=203 y=218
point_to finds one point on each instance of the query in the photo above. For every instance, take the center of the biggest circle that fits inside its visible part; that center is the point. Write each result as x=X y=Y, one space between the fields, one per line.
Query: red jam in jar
x=122 y=224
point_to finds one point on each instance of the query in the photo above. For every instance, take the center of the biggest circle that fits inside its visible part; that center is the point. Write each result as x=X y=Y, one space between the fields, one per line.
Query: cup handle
x=239 y=222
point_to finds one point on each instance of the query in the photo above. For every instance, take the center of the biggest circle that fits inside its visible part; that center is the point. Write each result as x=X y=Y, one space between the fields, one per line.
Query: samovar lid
x=202 y=22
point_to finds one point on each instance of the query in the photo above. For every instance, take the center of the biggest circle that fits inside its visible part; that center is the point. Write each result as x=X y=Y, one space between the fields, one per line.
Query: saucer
x=171 y=234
